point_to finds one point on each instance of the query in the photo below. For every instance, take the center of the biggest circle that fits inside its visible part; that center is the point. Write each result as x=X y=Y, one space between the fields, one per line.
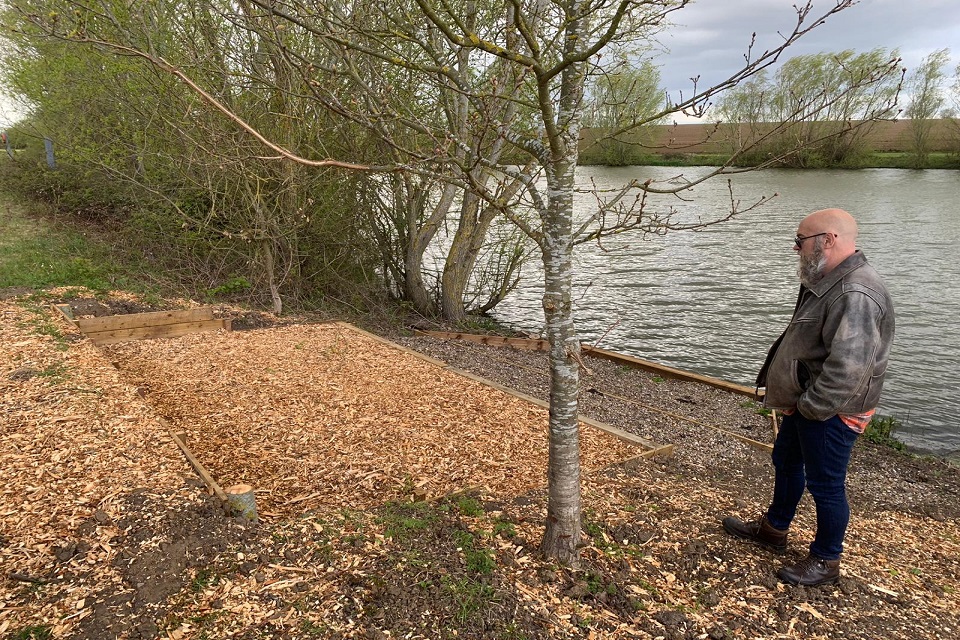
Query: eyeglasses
x=799 y=239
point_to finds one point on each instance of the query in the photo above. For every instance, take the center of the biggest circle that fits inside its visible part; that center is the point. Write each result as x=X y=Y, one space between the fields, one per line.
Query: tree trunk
x=562 y=535
x=461 y=258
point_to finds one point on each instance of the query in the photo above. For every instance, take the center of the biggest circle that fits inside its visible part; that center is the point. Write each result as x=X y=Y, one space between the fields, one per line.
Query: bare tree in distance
x=544 y=53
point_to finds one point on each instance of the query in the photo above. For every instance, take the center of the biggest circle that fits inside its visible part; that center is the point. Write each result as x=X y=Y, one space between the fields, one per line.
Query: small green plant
x=56 y=372
x=311 y=628
x=231 y=287
x=478 y=560
x=880 y=431
x=204 y=578
x=758 y=409
x=401 y=520
x=594 y=583
x=512 y=632
x=504 y=529
x=481 y=323
x=469 y=506
x=470 y=595
x=658 y=379
x=33 y=632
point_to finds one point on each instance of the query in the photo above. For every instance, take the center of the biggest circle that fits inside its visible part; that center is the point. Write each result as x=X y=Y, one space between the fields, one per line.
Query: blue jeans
x=813 y=454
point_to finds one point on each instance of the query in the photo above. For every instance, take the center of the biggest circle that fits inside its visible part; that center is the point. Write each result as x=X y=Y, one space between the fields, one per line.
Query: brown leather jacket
x=832 y=357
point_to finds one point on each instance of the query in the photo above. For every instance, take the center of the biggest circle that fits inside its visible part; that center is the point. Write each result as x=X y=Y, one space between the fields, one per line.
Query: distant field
x=708 y=138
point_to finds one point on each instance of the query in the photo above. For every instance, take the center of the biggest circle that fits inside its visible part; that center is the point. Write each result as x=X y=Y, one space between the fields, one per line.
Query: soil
x=107 y=532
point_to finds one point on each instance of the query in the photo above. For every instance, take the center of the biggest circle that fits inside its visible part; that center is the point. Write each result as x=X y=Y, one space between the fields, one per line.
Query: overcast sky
x=711 y=36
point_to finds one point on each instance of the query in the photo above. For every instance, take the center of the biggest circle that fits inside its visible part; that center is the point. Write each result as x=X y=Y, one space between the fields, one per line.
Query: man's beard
x=811 y=267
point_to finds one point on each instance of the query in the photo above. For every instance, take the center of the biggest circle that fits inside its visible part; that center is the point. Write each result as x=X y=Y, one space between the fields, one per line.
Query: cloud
x=710 y=37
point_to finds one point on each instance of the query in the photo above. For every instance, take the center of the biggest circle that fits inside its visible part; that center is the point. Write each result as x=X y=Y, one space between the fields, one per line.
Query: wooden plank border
x=141 y=326
x=197 y=466
x=531 y=344
x=157 y=331
x=140 y=320
x=67 y=312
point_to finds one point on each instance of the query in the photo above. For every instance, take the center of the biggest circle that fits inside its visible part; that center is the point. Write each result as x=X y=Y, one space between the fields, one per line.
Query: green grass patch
x=470 y=595
x=400 y=521
x=757 y=408
x=33 y=632
x=204 y=578
x=469 y=506
x=478 y=560
x=39 y=252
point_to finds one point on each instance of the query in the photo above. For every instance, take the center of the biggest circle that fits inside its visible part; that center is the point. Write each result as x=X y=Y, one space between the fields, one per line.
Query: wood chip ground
x=327 y=423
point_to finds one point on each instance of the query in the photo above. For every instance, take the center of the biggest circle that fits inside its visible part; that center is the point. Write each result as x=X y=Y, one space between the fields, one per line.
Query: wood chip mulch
x=326 y=417
x=105 y=530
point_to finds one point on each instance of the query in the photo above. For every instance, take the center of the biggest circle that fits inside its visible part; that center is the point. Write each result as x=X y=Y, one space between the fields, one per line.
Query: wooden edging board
x=140 y=326
x=651 y=449
x=530 y=344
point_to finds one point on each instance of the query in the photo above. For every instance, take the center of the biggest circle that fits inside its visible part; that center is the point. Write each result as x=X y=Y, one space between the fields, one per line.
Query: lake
x=713 y=301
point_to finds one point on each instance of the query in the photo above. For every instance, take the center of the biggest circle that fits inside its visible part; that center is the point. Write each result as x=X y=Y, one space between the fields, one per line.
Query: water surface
x=713 y=301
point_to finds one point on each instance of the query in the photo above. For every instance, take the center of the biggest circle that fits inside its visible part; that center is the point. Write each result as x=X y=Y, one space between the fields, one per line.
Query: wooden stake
x=199 y=468
x=241 y=499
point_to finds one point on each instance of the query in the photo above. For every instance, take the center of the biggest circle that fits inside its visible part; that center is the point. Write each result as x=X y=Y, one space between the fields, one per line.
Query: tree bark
x=562 y=534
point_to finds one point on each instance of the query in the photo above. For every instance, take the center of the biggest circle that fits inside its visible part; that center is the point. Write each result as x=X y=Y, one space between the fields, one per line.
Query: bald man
x=824 y=374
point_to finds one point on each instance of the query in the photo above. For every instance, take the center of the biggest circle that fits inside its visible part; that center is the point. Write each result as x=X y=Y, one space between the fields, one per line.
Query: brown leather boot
x=758 y=531
x=811 y=571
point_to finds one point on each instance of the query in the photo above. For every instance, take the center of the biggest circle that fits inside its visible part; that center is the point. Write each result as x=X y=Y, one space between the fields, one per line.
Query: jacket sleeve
x=851 y=334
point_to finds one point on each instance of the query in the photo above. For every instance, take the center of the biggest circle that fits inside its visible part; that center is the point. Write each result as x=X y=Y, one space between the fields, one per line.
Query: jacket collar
x=852 y=263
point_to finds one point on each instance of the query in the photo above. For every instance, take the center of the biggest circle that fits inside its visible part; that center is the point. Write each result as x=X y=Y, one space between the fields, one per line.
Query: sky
x=711 y=36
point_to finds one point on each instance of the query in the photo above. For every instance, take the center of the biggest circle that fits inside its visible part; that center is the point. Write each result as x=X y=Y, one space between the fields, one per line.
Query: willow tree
x=512 y=75
x=618 y=98
x=926 y=101
x=817 y=109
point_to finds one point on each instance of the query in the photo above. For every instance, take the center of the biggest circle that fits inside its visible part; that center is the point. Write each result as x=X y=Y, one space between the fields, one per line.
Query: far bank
x=882 y=144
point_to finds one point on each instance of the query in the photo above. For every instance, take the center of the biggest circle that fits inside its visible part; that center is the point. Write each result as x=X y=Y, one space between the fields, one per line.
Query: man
x=824 y=374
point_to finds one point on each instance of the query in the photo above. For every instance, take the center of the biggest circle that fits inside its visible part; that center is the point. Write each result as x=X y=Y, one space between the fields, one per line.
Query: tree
x=817 y=109
x=744 y=111
x=502 y=76
x=953 y=113
x=618 y=99
x=924 y=86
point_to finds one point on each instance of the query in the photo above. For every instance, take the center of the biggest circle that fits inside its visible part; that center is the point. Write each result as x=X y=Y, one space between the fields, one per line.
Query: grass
x=470 y=595
x=401 y=521
x=479 y=561
x=757 y=408
x=33 y=632
x=37 y=253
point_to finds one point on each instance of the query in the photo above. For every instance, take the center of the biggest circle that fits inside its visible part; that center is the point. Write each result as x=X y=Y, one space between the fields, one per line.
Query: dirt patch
x=13 y=292
x=247 y=320
x=97 y=307
x=164 y=546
